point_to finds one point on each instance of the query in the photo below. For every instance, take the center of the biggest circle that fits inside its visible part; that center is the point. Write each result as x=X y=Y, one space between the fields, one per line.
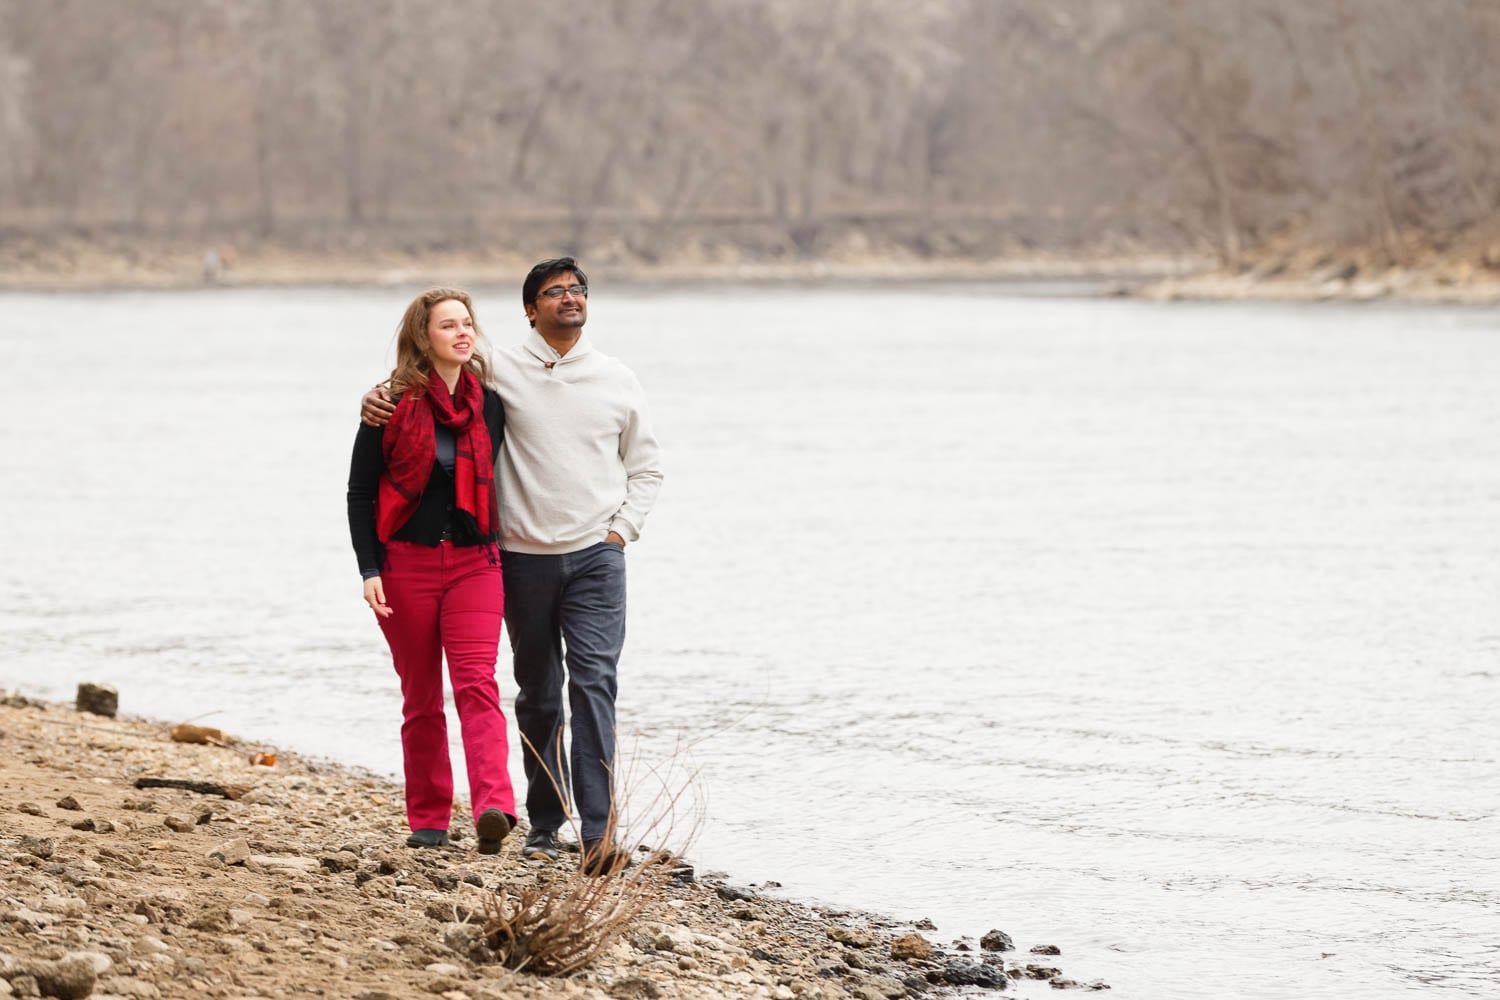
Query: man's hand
x=376 y=407
x=614 y=538
x=375 y=597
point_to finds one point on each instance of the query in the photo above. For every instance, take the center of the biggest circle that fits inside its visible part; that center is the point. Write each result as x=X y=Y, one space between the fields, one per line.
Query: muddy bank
x=1464 y=273
x=291 y=879
x=76 y=264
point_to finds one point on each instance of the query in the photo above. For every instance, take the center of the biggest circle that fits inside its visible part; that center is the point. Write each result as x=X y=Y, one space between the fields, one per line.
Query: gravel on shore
x=300 y=885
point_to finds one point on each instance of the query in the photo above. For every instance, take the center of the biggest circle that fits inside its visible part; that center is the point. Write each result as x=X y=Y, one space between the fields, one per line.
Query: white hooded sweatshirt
x=578 y=459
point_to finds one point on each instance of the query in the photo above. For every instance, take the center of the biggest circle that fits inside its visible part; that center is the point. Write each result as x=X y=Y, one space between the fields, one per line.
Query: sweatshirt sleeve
x=365 y=467
x=641 y=458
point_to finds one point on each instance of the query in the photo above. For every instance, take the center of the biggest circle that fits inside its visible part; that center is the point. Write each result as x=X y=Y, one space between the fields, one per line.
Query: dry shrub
x=568 y=918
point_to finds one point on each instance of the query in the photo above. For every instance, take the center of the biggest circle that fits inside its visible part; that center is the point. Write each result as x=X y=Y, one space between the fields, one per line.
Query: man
x=578 y=471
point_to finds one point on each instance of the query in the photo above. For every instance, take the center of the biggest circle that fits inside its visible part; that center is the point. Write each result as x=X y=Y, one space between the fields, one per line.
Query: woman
x=424 y=523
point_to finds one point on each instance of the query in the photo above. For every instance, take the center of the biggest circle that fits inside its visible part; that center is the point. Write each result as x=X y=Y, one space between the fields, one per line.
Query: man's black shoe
x=492 y=826
x=428 y=838
x=601 y=858
x=541 y=845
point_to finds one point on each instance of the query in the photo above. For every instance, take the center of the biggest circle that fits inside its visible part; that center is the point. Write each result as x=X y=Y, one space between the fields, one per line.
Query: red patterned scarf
x=411 y=449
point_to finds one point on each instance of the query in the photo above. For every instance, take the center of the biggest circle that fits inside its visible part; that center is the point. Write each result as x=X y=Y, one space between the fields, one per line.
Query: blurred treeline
x=759 y=128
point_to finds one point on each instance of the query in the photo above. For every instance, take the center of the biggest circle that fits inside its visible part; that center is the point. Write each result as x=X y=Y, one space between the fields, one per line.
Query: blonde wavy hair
x=413 y=363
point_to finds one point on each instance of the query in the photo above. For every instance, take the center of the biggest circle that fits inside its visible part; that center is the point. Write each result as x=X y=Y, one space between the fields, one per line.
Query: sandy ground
x=301 y=886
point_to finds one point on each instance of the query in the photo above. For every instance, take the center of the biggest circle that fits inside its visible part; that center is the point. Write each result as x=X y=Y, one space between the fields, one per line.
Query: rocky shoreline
x=135 y=865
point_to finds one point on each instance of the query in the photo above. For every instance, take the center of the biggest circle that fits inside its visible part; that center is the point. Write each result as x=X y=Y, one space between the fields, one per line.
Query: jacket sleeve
x=641 y=458
x=366 y=465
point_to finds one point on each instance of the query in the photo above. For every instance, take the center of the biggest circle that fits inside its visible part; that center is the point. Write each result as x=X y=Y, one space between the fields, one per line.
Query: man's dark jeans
x=574 y=601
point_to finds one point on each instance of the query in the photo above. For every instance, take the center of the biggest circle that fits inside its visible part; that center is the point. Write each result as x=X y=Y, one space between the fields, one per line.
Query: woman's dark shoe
x=428 y=838
x=492 y=826
x=601 y=858
x=541 y=845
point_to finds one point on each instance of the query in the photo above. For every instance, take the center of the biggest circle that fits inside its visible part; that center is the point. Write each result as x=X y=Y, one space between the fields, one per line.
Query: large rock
x=961 y=973
x=99 y=699
x=69 y=978
x=911 y=946
x=997 y=941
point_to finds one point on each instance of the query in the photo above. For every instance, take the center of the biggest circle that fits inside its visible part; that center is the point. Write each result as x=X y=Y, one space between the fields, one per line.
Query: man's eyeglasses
x=558 y=291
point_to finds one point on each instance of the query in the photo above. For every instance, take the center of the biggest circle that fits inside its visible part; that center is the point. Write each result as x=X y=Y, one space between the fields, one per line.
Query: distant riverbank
x=75 y=265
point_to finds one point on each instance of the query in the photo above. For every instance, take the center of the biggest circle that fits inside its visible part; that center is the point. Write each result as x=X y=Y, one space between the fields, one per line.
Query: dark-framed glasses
x=558 y=291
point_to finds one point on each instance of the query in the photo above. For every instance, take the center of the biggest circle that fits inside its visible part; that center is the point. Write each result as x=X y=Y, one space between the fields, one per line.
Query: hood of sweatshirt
x=538 y=347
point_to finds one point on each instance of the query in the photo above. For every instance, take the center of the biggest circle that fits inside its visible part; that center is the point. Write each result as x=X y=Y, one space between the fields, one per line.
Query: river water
x=1168 y=634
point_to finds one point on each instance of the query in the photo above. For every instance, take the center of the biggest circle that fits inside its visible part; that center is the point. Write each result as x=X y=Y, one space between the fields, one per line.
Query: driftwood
x=186 y=732
x=201 y=787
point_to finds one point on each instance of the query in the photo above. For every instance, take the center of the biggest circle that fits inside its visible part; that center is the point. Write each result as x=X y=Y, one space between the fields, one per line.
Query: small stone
x=1042 y=972
x=444 y=969
x=687 y=962
x=734 y=892
x=30 y=809
x=122 y=986
x=462 y=938
x=65 y=905
x=100 y=961
x=178 y=824
x=98 y=699
x=997 y=941
x=888 y=988
x=1046 y=949
x=86 y=824
x=281 y=863
x=215 y=920
x=231 y=852
x=674 y=940
x=42 y=847
x=851 y=937
x=910 y=946
x=925 y=925
x=634 y=988
x=69 y=803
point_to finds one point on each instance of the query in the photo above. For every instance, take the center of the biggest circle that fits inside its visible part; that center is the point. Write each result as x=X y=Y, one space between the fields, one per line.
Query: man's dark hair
x=545 y=272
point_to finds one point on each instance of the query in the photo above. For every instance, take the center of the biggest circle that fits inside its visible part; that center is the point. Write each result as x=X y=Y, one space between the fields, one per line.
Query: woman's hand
x=375 y=597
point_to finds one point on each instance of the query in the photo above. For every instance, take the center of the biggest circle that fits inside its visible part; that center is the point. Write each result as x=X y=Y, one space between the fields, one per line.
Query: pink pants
x=449 y=600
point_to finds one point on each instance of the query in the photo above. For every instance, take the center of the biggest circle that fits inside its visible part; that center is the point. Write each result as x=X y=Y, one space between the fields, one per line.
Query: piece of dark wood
x=201 y=787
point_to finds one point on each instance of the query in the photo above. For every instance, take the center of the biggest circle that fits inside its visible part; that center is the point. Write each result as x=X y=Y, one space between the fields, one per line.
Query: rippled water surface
x=1168 y=634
